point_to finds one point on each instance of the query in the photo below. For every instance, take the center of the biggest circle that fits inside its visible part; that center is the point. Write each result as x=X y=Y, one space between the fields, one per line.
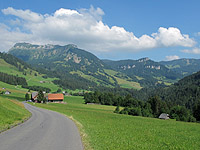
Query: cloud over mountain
x=192 y=51
x=84 y=28
x=174 y=57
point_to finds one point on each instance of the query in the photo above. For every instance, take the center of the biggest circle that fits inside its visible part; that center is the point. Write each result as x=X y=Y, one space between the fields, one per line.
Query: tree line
x=13 y=80
x=153 y=107
x=37 y=88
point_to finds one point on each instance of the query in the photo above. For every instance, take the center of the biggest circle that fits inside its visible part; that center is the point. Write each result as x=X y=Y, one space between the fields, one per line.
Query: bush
x=27 y=96
x=181 y=113
x=117 y=109
x=192 y=119
x=124 y=111
x=146 y=113
x=135 y=111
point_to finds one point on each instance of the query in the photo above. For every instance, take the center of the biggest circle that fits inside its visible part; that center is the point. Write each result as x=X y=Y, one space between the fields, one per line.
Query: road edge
x=84 y=137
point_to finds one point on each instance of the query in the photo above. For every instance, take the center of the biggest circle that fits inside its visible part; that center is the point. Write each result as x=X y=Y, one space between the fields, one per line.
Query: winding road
x=45 y=130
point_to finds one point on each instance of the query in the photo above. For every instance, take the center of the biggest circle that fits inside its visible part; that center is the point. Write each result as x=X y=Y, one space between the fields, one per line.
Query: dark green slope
x=18 y=63
x=185 y=92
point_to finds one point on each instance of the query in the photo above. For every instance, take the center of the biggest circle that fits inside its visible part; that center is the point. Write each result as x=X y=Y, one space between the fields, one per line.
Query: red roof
x=55 y=97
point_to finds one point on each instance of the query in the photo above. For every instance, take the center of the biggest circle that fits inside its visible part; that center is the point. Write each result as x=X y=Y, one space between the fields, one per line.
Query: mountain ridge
x=67 y=62
x=183 y=66
x=80 y=64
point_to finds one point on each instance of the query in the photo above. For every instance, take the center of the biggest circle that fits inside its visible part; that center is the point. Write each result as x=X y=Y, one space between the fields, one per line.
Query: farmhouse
x=34 y=96
x=7 y=92
x=55 y=98
x=164 y=116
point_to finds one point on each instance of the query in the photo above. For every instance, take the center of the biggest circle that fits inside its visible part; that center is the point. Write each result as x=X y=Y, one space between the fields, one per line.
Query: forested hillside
x=18 y=63
x=11 y=79
x=184 y=92
x=75 y=68
x=184 y=66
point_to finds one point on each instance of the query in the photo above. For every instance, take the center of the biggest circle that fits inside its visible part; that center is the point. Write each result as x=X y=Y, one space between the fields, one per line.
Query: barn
x=34 y=96
x=56 y=98
x=7 y=92
x=164 y=116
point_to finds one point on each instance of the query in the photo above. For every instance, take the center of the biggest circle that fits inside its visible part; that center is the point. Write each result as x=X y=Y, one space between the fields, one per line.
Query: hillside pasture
x=124 y=83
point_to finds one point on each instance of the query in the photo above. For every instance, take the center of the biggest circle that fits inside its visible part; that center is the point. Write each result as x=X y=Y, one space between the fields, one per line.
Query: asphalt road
x=45 y=130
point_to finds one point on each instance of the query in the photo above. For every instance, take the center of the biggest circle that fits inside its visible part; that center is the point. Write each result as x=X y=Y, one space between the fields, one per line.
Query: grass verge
x=12 y=112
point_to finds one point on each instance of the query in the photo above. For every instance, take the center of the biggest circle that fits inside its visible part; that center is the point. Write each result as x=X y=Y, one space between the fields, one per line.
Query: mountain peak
x=22 y=44
x=143 y=59
x=72 y=45
x=28 y=46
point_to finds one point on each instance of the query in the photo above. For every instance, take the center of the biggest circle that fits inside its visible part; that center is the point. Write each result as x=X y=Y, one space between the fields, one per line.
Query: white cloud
x=86 y=29
x=172 y=37
x=8 y=38
x=95 y=13
x=23 y=14
x=174 y=57
x=193 y=51
x=65 y=12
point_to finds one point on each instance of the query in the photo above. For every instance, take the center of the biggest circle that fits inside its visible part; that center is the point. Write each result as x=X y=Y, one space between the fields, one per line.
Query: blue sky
x=114 y=29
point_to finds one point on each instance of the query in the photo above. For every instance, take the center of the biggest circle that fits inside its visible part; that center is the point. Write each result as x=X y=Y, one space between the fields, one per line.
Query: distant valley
x=137 y=85
x=77 y=68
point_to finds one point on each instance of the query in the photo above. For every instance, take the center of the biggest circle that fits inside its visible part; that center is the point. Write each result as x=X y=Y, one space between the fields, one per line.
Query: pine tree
x=40 y=97
x=117 y=109
x=196 y=111
x=27 y=96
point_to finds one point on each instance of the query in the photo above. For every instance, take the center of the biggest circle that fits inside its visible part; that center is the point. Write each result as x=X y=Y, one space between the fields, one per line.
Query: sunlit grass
x=107 y=130
x=12 y=112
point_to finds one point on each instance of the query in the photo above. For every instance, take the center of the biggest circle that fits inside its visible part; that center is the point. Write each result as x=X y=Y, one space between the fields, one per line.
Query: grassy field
x=108 y=131
x=12 y=112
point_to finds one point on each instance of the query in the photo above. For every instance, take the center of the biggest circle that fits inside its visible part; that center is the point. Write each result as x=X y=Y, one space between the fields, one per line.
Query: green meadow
x=101 y=129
